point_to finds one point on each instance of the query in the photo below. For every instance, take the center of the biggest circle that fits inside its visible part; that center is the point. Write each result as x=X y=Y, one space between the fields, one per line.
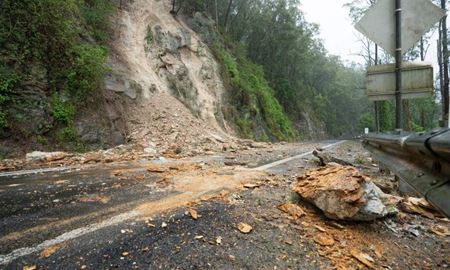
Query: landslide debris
x=343 y=193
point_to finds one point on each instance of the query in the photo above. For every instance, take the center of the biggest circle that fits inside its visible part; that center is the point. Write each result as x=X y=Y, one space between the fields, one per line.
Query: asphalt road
x=93 y=217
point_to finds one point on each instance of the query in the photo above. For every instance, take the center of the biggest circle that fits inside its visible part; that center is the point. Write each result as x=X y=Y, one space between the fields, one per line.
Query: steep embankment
x=169 y=79
x=146 y=79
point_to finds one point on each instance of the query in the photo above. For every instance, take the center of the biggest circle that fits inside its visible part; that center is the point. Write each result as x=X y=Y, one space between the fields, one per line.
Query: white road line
x=279 y=162
x=8 y=258
x=36 y=171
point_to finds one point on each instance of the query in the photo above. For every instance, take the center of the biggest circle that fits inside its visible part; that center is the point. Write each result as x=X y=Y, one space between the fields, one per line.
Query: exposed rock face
x=342 y=192
x=164 y=86
x=156 y=53
x=31 y=112
x=90 y=133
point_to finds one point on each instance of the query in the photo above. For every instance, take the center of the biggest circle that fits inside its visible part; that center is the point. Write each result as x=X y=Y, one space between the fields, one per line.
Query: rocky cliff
x=166 y=80
x=163 y=90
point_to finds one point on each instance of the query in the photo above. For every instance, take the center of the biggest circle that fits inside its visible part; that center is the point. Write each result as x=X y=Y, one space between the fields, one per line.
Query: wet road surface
x=88 y=216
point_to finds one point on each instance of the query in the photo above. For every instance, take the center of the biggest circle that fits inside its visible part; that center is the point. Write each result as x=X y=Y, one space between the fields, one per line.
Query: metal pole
x=377 y=103
x=441 y=73
x=398 y=66
x=377 y=117
x=445 y=64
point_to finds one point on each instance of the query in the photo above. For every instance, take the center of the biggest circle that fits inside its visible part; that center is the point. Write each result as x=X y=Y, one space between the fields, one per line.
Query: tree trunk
x=227 y=14
x=422 y=50
x=217 y=14
x=377 y=109
x=441 y=72
x=445 y=66
x=173 y=7
x=376 y=54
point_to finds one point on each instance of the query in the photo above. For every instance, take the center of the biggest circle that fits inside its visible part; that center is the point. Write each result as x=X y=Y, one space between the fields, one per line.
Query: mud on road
x=184 y=214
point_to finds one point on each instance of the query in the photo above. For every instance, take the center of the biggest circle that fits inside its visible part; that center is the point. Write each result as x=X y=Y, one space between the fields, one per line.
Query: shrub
x=96 y=14
x=63 y=111
x=8 y=81
x=253 y=94
x=87 y=70
x=66 y=134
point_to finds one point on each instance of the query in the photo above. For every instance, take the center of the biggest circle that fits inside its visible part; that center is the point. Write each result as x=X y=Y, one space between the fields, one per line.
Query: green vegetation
x=8 y=81
x=87 y=69
x=63 y=111
x=52 y=54
x=419 y=114
x=66 y=134
x=96 y=14
x=254 y=98
x=283 y=57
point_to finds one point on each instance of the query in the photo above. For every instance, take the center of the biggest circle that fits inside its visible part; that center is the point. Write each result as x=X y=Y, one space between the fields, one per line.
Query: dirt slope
x=169 y=79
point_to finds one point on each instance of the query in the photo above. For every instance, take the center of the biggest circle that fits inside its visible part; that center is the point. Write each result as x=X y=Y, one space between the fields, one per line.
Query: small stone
x=244 y=228
x=324 y=239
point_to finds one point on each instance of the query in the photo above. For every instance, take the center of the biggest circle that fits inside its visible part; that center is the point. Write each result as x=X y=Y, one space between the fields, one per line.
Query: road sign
x=417 y=81
x=418 y=16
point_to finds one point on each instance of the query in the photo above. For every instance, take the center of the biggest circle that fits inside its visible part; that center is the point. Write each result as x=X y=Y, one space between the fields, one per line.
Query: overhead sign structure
x=417 y=81
x=418 y=16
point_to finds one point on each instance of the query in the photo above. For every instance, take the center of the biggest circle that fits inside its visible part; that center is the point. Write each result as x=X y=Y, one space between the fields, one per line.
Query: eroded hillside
x=161 y=87
x=169 y=79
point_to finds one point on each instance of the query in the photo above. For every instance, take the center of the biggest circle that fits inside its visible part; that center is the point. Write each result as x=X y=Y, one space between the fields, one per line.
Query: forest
x=281 y=78
x=52 y=60
x=311 y=85
x=305 y=78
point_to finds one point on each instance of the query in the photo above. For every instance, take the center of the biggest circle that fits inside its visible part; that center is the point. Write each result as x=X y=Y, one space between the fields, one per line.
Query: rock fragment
x=419 y=206
x=363 y=258
x=244 y=228
x=292 y=209
x=46 y=156
x=324 y=239
x=343 y=193
x=336 y=190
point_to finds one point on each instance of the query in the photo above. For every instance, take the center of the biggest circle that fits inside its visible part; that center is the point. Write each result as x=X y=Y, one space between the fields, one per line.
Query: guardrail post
x=398 y=66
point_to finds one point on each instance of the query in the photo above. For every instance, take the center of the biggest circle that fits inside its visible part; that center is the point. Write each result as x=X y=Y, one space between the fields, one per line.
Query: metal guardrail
x=420 y=159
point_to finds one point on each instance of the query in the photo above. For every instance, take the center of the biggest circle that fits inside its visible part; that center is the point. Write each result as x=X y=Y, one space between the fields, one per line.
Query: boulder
x=46 y=156
x=343 y=193
x=374 y=206
x=336 y=190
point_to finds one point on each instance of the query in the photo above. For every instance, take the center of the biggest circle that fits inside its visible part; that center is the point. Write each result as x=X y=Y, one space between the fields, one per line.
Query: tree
x=227 y=14
x=316 y=90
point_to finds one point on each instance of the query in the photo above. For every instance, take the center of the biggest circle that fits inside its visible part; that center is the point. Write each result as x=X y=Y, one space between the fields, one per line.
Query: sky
x=337 y=32
x=336 y=29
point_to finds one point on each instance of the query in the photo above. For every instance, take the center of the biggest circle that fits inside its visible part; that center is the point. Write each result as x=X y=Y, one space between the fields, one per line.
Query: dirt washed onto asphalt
x=230 y=218
x=192 y=184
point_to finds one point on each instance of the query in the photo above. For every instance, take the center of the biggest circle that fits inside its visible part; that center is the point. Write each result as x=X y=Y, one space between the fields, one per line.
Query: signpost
x=417 y=81
x=397 y=26
x=417 y=17
x=398 y=66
